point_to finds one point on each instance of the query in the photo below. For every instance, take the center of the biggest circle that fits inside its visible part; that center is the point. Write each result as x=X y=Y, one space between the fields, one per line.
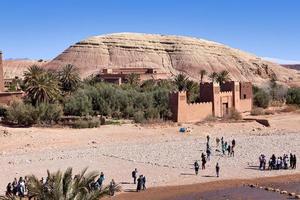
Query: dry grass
x=290 y=108
x=257 y=111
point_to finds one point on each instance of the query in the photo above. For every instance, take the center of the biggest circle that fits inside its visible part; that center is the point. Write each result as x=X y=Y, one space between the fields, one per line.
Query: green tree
x=69 y=78
x=213 y=76
x=223 y=76
x=133 y=79
x=78 y=104
x=41 y=86
x=181 y=82
x=192 y=91
x=202 y=74
x=261 y=98
x=293 y=96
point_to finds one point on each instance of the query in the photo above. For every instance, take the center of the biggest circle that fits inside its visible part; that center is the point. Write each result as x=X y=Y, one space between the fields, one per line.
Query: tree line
x=50 y=94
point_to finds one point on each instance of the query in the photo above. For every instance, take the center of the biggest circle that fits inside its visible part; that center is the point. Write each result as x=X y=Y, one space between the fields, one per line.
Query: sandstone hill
x=292 y=66
x=13 y=68
x=171 y=54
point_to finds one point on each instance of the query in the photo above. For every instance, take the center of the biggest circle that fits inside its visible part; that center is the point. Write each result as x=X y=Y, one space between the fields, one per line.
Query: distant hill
x=16 y=67
x=293 y=66
x=169 y=54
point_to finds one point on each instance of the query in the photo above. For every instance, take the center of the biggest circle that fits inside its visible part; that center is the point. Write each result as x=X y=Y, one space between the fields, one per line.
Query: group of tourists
x=20 y=187
x=140 y=180
x=226 y=146
x=17 y=187
x=205 y=158
x=276 y=163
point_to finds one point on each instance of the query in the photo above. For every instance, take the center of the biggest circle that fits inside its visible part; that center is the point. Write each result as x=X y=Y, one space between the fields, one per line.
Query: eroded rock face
x=171 y=54
x=13 y=68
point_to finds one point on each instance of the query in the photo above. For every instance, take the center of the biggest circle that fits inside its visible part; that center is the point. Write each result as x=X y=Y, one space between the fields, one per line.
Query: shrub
x=138 y=117
x=293 y=96
x=269 y=112
x=234 y=115
x=78 y=104
x=49 y=113
x=86 y=123
x=289 y=108
x=21 y=114
x=257 y=111
x=261 y=99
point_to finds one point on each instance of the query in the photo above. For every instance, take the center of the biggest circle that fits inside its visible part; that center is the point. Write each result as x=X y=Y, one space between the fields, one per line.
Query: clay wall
x=246 y=90
x=206 y=92
x=245 y=105
x=215 y=100
x=7 y=98
x=184 y=112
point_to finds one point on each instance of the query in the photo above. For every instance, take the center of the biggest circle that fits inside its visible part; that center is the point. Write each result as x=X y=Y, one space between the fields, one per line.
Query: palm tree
x=192 y=88
x=40 y=86
x=32 y=73
x=69 y=78
x=223 y=76
x=213 y=76
x=202 y=74
x=132 y=79
x=62 y=186
x=181 y=81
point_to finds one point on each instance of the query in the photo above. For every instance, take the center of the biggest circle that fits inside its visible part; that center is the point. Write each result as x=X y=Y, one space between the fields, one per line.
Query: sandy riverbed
x=160 y=152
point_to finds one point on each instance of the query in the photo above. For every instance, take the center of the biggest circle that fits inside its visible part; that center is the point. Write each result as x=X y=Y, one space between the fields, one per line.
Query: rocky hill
x=171 y=54
x=13 y=68
x=292 y=66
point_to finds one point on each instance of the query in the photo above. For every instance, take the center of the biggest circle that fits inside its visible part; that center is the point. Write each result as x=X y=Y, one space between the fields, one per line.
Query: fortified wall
x=6 y=97
x=215 y=99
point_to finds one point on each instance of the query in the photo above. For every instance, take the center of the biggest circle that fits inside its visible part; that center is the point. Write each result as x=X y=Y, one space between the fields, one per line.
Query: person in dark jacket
x=134 y=175
x=217 y=169
x=139 y=183
x=144 y=182
x=196 y=166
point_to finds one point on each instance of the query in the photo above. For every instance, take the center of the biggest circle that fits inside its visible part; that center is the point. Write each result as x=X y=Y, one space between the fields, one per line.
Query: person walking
x=196 y=166
x=203 y=161
x=139 y=183
x=100 y=180
x=112 y=186
x=134 y=175
x=144 y=182
x=217 y=169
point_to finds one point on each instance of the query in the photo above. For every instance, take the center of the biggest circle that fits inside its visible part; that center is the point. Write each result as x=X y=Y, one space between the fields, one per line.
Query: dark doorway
x=225 y=109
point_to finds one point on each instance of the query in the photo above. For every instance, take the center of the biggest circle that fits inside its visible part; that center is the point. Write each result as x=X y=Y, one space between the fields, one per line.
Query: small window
x=244 y=96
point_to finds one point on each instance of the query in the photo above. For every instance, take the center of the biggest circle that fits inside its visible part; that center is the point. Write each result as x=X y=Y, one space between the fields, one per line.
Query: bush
x=3 y=111
x=289 y=108
x=21 y=114
x=269 y=112
x=234 y=115
x=261 y=99
x=293 y=96
x=138 y=117
x=86 y=123
x=49 y=113
x=79 y=104
x=257 y=111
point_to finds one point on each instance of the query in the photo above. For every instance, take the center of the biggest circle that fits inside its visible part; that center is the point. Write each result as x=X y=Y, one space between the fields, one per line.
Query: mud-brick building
x=119 y=75
x=6 y=97
x=215 y=100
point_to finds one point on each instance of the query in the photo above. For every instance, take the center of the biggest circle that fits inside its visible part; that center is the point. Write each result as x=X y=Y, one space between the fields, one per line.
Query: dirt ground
x=159 y=152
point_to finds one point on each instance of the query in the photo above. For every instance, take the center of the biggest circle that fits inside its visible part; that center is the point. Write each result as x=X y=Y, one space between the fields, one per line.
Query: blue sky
x=43 y=29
